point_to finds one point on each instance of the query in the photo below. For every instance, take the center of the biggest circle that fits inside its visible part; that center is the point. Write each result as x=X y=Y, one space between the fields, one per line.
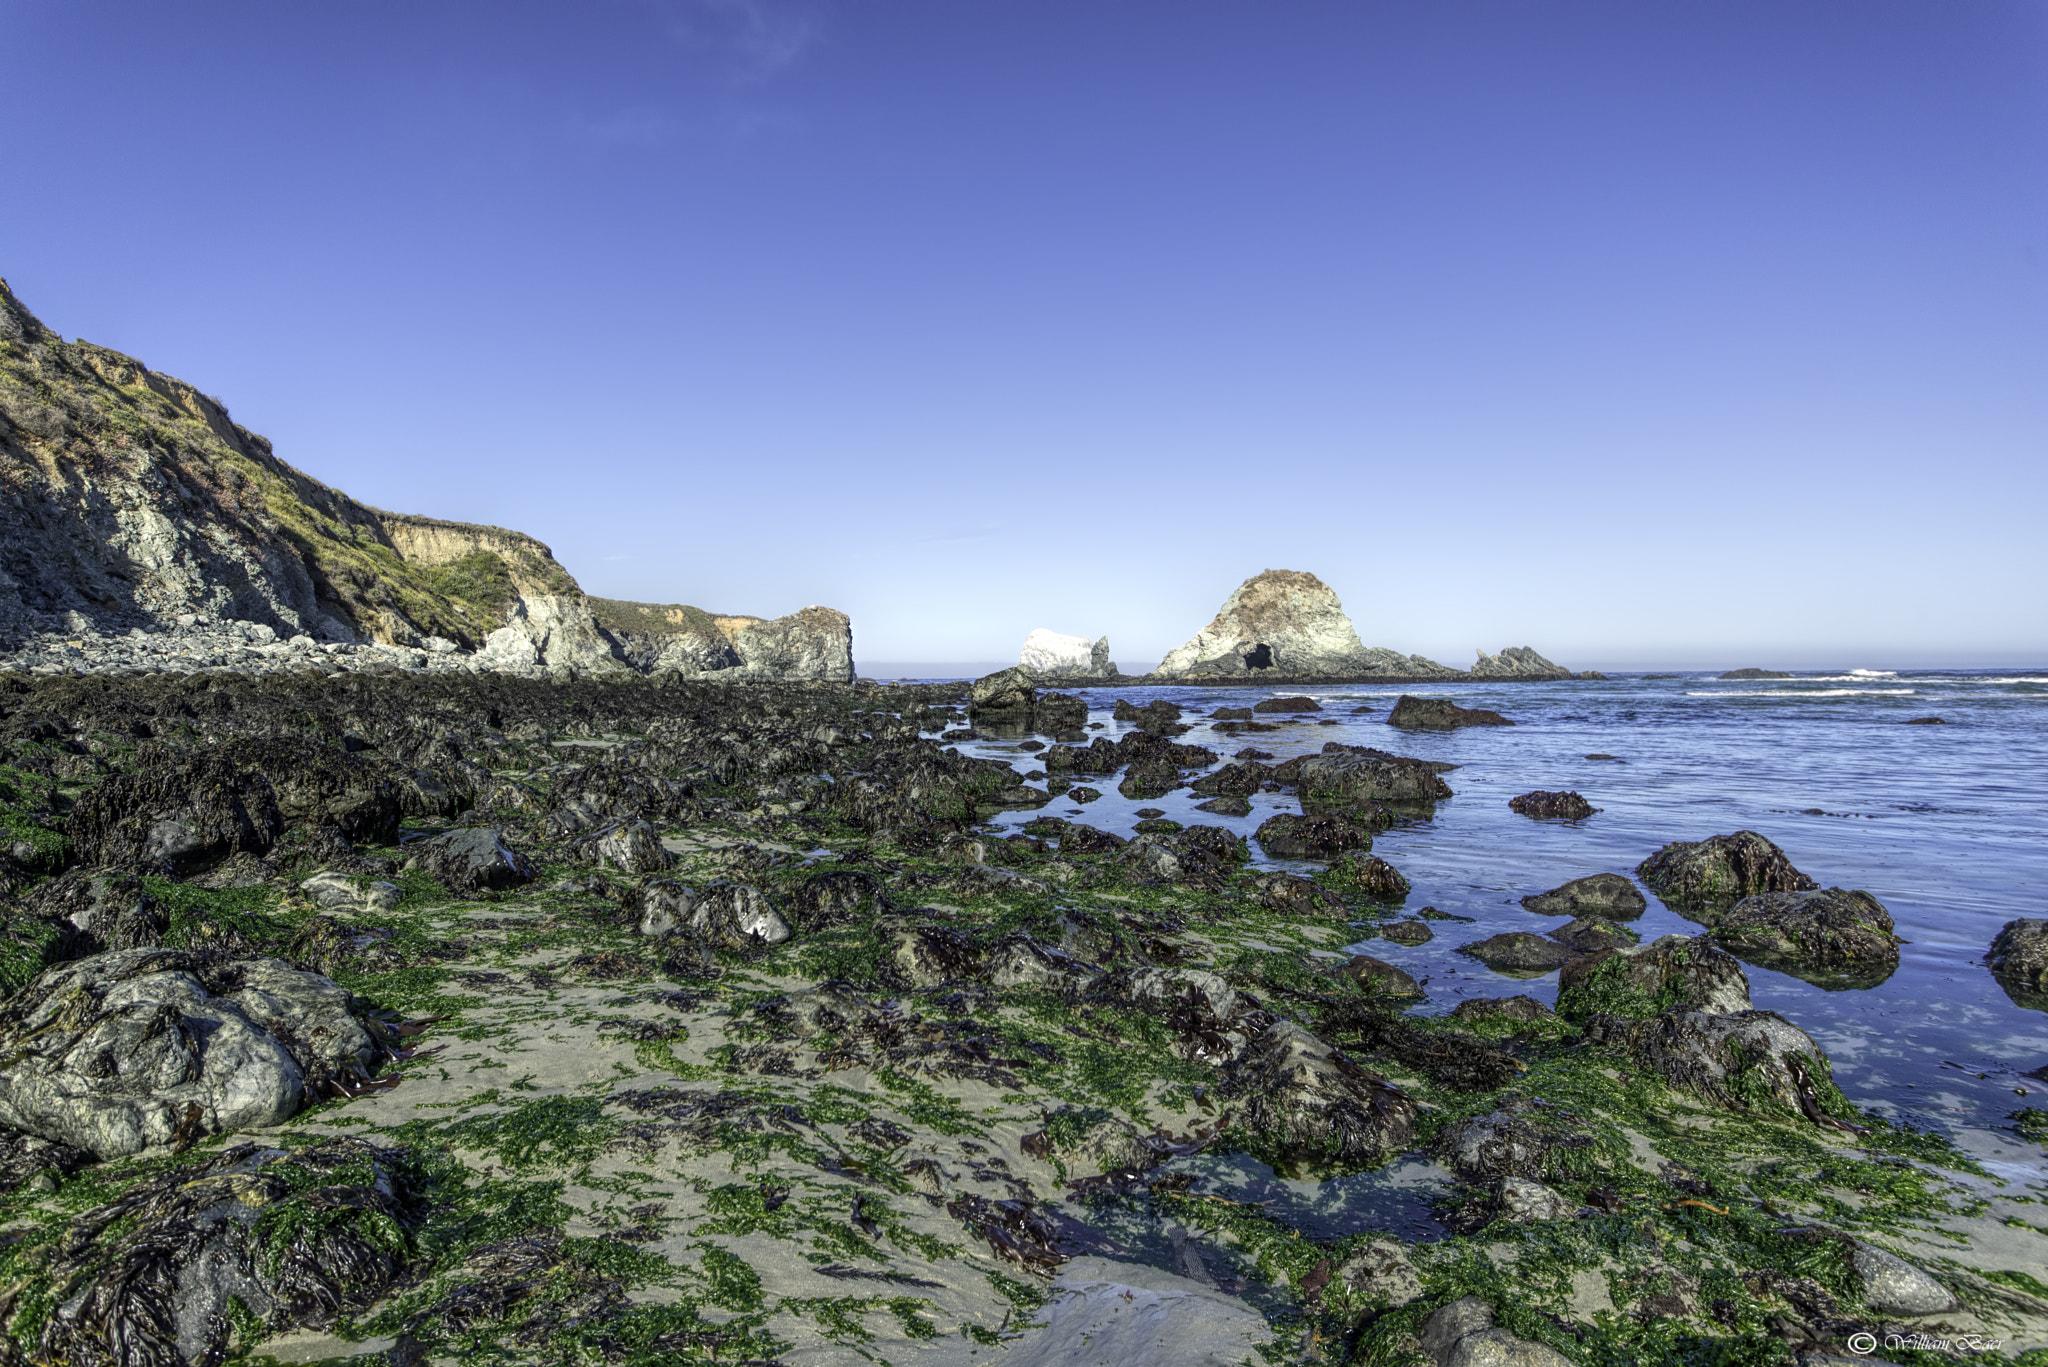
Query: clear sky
x=1643 y=333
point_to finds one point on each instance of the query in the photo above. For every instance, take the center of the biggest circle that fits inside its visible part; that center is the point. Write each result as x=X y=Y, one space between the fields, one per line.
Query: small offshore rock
x=1365 y=779
x=1439 y=714
x=1606 y=895
x=1407 y=933
x=1226 y=806
x=1925 y=721
x=1287 y=704
x=1721 y=869
x=1519 y=951
x=1755 y=673
x=1673 y=972
x=1543 y=804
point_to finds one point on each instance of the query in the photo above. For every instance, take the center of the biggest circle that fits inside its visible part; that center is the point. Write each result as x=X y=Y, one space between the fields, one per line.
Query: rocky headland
x=142 y=529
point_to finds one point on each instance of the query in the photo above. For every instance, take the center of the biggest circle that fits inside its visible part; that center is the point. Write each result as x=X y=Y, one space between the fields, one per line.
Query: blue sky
x=1643 y=333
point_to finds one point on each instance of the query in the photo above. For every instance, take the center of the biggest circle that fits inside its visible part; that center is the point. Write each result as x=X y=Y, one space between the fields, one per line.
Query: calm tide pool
x=1946 y=825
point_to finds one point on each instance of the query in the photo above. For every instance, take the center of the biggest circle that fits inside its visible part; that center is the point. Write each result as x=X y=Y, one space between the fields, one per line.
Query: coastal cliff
x=132 y=504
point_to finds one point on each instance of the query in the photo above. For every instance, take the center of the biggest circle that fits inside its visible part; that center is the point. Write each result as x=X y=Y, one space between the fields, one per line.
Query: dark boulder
x=1367 y=873
x=1677 y=972
x=1344 y=778
x=1225 y=847
x=471 y=860
x=1754 y=673
x=1834 y=934
x=1291 y=896
x=1439 y=714
x=1226 y=806
x=1720 y=870
x=1489 y=1147
x=1589 y=935
x=1287 y=704
x=1407 y=933
x=1547 y=805
x=1145 y=781
x=1240 y=779
x=1312 y=1104
x=1378 y=978
x=1287 y=836
x=161 y=1275
x=1606 y=895
x=838 y=897
x=1520 y=952
x=736 y=917
x=1005 y=691
x=1231 y=714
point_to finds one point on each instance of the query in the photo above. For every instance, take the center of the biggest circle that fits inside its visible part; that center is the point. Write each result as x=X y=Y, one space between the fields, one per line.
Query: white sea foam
x=1796 y=692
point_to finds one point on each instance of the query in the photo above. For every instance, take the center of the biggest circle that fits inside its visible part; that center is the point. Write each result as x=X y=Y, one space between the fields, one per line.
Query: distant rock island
x=142 y=528
x=1286 y=625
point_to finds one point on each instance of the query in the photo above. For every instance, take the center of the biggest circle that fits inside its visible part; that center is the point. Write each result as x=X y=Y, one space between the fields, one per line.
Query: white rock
x=1048 y=652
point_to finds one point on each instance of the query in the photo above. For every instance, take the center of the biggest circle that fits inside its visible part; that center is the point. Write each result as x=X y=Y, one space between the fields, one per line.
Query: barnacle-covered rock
x=1835 y=936
x=1720 y=870
x=1673 y=971
x=1746 y=1060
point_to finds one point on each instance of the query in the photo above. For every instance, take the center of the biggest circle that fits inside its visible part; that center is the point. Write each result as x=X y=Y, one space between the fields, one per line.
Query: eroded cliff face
x=128 y=499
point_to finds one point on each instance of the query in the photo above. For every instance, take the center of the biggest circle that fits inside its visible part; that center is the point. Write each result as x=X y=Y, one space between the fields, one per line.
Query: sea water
x=1946 y=825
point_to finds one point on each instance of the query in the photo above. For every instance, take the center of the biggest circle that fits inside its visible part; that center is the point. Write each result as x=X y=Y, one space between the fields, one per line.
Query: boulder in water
x=2018 y=959
x=1286 y=704
x=1520 y=952
x=1546 y=805
x=1720 y=870
x=1369 y=874
x=1832 y=933
x=1358 y=778
x=1287 y=836
x=1005 y=691
x=1590 y=935
x=1378 y=978
x=1755 y=673
x=1439 y=714
x=1606 y=895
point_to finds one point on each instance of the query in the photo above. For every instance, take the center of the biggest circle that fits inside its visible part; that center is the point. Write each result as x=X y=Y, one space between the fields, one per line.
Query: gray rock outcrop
x=1287 y=623
x=139 y=1048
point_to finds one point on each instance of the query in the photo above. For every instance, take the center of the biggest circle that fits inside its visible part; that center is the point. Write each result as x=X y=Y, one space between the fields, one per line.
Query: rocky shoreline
x=426 y=1016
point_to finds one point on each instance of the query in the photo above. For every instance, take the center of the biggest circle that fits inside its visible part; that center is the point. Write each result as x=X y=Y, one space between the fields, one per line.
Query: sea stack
x=1288 y=624
x=1048 y=653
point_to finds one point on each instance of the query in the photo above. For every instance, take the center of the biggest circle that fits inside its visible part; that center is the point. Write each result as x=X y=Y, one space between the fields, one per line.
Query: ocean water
x=1946 y=825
